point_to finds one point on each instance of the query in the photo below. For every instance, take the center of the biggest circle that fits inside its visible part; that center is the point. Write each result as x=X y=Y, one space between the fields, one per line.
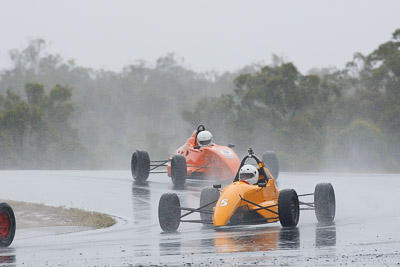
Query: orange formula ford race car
x=7 y=225
x=198 y=158
x=252 y=198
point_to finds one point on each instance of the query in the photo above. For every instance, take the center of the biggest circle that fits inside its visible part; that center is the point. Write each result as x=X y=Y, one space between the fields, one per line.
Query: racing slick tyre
x=324 y=202
x=178 y=170
x=169 y=212
x=288 y=208
x=271 y=162
x=7 y=225
x=140 y=165
x=209 y=195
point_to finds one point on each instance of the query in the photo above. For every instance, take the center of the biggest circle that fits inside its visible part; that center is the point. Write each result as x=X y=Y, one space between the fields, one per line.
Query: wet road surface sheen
x=365 y=230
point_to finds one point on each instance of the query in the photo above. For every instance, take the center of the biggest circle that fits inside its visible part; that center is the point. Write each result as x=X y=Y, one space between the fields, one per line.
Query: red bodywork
x=214 y=161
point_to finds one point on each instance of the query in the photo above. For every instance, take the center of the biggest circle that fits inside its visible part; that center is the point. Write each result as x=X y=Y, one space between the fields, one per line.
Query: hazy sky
x=209 y=34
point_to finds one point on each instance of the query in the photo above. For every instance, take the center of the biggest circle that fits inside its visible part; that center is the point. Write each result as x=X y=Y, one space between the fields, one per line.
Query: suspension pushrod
x=196 y=210
x=311 y=204
x=158 y=165
x=303 y=195
x=204 y=166
x=261 y=207
x=267 y=207
x=202 y=207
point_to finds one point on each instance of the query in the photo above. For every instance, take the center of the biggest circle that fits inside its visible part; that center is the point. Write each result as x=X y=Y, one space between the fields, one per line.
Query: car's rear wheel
x=178 y=170
x=7 y=225
x=208 y=195
x=270 y=160
x=288 y=208
x=169 y=212
x=140 y=165
x=324 y=202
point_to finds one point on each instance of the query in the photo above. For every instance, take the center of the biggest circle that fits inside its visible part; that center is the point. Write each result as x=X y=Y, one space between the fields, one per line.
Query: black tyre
x=288 y=208
x=169 y=212
x=140 y=165
x=271 y=162
x=324 y=202
x=208 y=195
x=178 y=170
x=7 y=225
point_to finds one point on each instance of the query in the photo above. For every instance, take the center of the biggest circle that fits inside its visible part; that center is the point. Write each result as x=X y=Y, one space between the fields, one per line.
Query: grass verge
x=32 y=215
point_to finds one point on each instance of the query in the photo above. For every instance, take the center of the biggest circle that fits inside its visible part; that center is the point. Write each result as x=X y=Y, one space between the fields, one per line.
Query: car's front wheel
x=288 y=208
x=7 y=225
x=209 y=196
x=271 y=162
x=178 y=170
x=169 y=212
x=324 y=202
x=140 y=165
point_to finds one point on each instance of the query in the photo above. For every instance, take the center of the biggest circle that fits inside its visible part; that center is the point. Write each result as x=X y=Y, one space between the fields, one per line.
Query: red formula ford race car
x=252 y=198
x=198 y=158
x=7 y=225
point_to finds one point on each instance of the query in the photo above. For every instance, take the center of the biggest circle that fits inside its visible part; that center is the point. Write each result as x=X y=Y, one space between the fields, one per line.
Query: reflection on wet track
x=138 y=239
x=325 y=235
x=7 y=257
x=141 y=202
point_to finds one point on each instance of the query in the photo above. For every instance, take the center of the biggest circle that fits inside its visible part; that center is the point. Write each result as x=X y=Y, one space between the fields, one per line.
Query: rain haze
x=209 y=35
x=103 y=106
x=113 y=77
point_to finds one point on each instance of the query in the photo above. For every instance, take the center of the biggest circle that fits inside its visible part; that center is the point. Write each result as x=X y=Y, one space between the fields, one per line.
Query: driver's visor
x=245 y=176
x=205 y=142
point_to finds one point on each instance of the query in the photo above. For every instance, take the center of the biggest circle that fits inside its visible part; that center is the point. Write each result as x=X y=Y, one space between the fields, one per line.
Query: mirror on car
x=217 y=186
x=262 y=184
x=196 y=147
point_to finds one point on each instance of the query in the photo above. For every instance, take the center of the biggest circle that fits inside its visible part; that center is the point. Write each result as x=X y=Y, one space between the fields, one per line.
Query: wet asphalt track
x=366 y=229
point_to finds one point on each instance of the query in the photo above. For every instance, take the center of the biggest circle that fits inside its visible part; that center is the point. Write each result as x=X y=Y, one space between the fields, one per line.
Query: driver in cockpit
x=249 y=174
x=204 y=138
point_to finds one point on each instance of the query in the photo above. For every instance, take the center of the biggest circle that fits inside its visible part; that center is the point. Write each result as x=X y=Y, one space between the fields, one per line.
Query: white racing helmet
x=248 y=173
x=204 y=138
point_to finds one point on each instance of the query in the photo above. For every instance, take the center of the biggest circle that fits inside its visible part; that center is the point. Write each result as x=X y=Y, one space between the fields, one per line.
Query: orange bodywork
x=214 y=161
x=231 y=199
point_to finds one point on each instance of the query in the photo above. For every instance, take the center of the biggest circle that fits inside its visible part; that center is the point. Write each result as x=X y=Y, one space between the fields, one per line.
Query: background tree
x=37 y=133
x=315 y=121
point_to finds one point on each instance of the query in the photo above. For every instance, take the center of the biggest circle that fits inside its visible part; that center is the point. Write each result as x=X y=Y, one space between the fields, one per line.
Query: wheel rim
x=4 y=224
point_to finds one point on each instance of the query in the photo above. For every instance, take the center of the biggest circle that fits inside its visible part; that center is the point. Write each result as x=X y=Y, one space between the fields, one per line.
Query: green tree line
x=327 y=119
x=36 y=133
x=341 y=120
x=114 y=113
